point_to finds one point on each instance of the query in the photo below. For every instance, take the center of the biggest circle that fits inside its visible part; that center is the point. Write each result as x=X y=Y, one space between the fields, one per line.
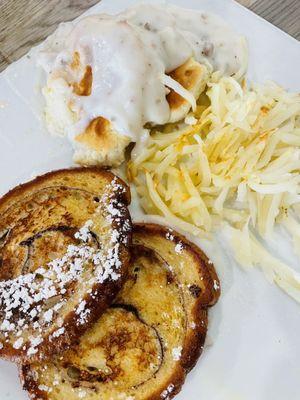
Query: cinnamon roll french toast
x=149 y=339
x=64 y=253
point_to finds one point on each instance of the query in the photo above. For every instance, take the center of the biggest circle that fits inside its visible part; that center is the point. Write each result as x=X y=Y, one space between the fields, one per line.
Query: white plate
x=254 y=351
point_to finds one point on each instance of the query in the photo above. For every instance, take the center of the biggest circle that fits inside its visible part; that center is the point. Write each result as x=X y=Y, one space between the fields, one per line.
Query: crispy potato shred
x=235 y=159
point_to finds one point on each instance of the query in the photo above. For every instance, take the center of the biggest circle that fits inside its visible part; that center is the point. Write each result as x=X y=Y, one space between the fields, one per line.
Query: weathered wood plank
x=24 y=23
x=285 y=14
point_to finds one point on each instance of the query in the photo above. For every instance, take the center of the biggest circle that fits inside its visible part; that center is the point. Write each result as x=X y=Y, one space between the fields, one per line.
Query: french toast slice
x=145 y=343
x=64 y=253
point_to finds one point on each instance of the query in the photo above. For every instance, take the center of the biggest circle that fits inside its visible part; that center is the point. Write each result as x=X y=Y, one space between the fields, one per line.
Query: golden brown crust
x=195 y=336
x=101 y=294
x=29 y=384
x=18 y=191
x=99 y=136
x=191 y=75
x=84 y=86
x=210 y=296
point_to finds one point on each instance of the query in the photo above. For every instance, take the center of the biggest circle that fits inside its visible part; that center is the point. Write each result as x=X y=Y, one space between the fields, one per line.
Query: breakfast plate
x=252 y=350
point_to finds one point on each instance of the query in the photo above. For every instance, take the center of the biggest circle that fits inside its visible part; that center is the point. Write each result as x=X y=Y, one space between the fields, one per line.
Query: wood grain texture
x=25 y=23
x=283 y=13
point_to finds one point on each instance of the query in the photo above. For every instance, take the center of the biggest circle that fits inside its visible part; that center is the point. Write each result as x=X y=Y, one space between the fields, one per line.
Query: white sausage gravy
x=130 y=55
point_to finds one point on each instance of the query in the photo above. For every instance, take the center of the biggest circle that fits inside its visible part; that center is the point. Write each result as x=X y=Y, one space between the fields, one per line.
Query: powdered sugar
x=179 y=248
x=34 y=343
x=81 y=307
x=176 y=353
x=37 y=297
x=116 y=212
x=192 y=325
x=48 y=315
x=84 y=233
x=216 y=285
x=113 y=211
x=169 y=236
x=166 y=393
x=25 y=292
x=82 y=313
x=45 y=388
x=18 y=343
x=58 y=332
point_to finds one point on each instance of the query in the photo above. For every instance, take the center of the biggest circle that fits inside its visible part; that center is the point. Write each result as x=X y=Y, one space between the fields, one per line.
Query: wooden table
x=24 y=23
